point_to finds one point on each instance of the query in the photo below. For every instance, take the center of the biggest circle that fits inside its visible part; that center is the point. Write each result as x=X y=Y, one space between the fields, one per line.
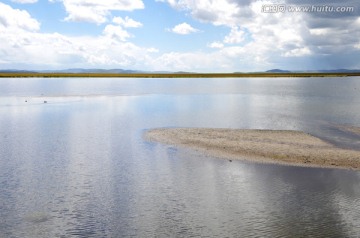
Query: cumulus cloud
x=59 y=51
x=289 y=35
x=183 y=29
x=187 y=61
x=97 y=11
x=127 y=22
x=216 y=11
x=297 y=52
x=116 y=32
x=255 y=40
x=225 y=59
x=235 y=36
x=216 y=45
x=24 y=1
x=16 y=19
x=23 y=44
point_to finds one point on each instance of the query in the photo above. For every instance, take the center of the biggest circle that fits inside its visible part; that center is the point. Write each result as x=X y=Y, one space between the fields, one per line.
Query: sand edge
x=265 y=146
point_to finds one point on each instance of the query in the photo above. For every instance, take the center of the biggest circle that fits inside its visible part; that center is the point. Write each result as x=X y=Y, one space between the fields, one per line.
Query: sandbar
x=266 y=146
x=353 y=129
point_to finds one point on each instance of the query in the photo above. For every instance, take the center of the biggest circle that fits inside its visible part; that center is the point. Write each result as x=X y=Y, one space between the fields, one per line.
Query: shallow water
x=77 y=166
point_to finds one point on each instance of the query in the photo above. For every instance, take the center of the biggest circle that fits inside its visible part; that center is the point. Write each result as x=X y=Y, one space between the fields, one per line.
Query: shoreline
x=174 y=75
x=265 y=146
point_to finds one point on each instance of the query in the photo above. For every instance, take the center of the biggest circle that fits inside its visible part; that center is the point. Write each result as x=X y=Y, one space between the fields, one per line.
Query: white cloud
x=298 y=52
x=235 y=36
x=271 y=36
x=24 y=1
x=48 y=51
x=219 y=12
x=227 y=59
x=97 y=11
x=116 y=32
x=216 y=45
x=22 y=44
x=190 y=61
x=183 y=29
x=152 y=50
x=16 y=19
x=127 y=22
x=86 y=14
x=319 y=31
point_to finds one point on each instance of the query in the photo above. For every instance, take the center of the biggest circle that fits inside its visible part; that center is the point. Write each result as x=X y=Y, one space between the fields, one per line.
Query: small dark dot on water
x=230 y=160
x=25 y=100
x=45 y=101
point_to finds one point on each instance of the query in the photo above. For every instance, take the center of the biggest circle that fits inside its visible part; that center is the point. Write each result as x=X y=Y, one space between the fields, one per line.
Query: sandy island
x=269 y=146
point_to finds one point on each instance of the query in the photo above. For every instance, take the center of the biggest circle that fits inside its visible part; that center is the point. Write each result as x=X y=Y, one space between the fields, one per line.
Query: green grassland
x=172 y=75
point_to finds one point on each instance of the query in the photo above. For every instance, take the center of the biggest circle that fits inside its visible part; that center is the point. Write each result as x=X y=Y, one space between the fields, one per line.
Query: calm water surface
x=77 y=166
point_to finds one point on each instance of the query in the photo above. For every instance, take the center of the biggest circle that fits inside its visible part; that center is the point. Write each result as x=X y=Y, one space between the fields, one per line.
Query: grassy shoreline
x=173 y=75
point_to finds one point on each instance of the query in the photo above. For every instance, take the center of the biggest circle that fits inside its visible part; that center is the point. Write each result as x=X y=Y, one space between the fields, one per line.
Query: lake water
x=77 y=166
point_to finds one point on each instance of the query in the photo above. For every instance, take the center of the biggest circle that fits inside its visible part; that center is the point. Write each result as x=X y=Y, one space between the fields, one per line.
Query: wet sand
x=269 y=146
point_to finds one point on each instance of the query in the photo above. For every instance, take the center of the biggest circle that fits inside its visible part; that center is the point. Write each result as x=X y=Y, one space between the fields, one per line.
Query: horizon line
x=177 y=75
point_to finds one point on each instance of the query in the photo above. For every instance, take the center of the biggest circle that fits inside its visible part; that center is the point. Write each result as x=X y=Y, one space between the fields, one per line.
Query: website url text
x=276 y=8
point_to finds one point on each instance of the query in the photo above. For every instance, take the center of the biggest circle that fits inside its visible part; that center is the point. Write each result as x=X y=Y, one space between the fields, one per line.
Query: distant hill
x=17 y=71
x=339 y=71
x=314 y=71
x=75 y=70
x=127 y=71
x=182 y=72
x=277 y=71
x=90 y=71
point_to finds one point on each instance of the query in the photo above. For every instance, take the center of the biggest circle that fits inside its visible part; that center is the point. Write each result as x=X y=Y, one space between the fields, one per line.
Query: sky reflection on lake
x=78 y=166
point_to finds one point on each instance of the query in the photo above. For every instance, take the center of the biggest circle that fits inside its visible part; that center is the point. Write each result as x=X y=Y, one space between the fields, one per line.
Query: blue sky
x=178 y=35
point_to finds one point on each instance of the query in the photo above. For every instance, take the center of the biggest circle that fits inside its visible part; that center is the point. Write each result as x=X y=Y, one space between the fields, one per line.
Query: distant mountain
x=277 y=71
x=314 y=71
x=182 y=72
x=126 y=71
x=92 y=71
x=339 y=71
x=16 y=71
x=75 y=70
